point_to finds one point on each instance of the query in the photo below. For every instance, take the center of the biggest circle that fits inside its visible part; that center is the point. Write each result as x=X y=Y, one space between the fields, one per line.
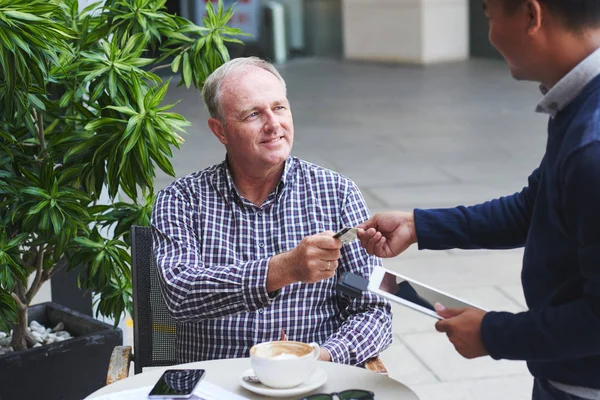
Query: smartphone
x=412 y=294
x=351 y=284
x=176 y=384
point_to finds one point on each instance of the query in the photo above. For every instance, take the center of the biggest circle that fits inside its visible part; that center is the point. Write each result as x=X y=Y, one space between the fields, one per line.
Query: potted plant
x=81 y=118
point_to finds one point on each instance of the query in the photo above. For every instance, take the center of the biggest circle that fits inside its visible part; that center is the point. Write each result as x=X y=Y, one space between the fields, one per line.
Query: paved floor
x=416 y=137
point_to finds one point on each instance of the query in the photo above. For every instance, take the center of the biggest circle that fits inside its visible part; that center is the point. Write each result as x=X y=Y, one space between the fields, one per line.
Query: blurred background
x=414 y=31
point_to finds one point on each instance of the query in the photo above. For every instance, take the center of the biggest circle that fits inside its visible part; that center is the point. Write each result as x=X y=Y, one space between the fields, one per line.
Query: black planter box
x=68 y=370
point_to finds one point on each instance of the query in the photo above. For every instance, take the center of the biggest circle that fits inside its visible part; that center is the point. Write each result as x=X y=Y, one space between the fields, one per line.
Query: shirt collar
x=224 y=180
x=564 y=92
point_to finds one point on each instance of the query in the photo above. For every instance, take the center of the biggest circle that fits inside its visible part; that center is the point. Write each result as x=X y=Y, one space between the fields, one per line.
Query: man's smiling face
x=257 y=128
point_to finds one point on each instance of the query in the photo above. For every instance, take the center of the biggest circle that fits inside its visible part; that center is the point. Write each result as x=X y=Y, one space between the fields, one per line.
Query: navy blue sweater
x=557 y=218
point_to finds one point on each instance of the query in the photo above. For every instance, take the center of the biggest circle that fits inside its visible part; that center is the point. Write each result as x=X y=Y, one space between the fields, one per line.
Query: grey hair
x=211 y=92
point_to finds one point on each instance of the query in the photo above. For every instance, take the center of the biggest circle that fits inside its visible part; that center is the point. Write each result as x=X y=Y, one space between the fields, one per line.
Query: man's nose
x=272 y=121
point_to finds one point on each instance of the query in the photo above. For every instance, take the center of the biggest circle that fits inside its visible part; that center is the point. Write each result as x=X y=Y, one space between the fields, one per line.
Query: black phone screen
x=176 y=382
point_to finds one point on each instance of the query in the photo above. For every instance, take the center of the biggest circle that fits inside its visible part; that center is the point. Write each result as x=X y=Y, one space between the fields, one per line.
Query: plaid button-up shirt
x=213 y=248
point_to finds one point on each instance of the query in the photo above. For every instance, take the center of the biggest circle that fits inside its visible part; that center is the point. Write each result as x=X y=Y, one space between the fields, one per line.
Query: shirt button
x=261 y=244
x=260 y=310
x=259 y=214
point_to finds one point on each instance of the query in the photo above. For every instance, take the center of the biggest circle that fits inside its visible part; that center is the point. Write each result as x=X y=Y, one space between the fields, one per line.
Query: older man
x=245 y=248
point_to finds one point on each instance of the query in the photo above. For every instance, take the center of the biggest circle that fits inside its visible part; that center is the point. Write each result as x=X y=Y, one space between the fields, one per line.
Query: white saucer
x=318 y=378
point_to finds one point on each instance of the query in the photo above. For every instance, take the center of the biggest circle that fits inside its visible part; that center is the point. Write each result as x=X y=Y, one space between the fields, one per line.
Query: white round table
x=226 y=374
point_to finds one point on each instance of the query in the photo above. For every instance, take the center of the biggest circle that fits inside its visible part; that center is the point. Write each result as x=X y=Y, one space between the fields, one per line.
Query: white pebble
x=59 y=327
x=37 y=345
x=36 y=327
x=38 y=337
x=63 y=334
x=35 y=324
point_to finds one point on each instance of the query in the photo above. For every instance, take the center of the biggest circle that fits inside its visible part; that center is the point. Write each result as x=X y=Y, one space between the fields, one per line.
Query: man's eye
x=254 y=114
x=279 y=108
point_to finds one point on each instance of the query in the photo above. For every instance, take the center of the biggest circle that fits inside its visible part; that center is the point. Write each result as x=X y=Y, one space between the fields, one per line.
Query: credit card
x=346 y=235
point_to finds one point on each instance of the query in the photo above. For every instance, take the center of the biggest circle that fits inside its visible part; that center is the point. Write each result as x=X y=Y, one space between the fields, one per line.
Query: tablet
x=411 y=293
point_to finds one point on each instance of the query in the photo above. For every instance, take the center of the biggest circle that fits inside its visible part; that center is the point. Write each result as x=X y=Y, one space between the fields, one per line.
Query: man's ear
x=216 y=126
x=534 y=11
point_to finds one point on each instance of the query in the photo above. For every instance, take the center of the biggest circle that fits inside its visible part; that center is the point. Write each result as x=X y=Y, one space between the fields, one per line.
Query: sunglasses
x=352 y=394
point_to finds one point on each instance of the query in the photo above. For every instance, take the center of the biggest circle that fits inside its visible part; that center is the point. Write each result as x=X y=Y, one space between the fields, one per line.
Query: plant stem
x=17 y=300
x=59 y=265
x=21 y=338
x=39 y=119
x=159 y=67
x=37 y=282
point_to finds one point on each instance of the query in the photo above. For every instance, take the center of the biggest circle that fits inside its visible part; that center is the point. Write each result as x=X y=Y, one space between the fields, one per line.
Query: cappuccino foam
x=284 y=356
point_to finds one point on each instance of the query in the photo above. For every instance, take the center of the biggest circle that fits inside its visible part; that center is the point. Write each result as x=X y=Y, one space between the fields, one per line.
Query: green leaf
x=132 y=43
x=232 y=40
x=137 y=91
x=17 y=239
x=36 y=102
x=123 y=110
x=198 y=46
x=56 y=222
x=159 y=96
x=102 y=123
x=22 y=16
x=112 y=83
x=88 y=243
x=175 y=63
x=179 y=37
x=50 y=128
x=187 y=69
x=36 y=192
x=65 y=99
x=8 y=311
x=91 y=7
x=38 y=208
x=132 y=141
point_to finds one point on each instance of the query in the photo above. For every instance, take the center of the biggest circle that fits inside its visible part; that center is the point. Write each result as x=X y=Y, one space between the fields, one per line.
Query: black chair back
x=154 y=331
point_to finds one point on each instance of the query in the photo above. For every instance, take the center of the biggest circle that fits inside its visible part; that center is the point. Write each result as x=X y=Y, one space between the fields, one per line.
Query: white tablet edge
x=377 y=277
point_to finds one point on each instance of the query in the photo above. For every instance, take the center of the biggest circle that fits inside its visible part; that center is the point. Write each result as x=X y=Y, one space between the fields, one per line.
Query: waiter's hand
x=388 y=234
x=463 y=328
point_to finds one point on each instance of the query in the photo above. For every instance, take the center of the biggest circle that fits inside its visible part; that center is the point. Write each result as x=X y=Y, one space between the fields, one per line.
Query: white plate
x=317 y=379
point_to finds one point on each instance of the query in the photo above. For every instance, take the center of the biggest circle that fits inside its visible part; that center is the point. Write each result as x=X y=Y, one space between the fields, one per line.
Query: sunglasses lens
x=356 y=395
x=318 y=397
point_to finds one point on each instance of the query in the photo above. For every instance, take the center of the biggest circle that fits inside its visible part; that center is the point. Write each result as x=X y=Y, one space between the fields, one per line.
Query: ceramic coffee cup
x=284 y=364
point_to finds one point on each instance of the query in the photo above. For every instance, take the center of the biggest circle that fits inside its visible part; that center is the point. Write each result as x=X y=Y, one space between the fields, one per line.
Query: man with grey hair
x=245 y=248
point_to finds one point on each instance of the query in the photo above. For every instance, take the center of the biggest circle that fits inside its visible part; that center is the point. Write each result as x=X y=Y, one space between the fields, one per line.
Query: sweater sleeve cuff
x=490 y=328
x=254 y=285
x=339 y=352
x=424 y=228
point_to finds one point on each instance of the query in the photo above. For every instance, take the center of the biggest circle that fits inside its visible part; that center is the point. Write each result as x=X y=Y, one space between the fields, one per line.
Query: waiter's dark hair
x=575 y=14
